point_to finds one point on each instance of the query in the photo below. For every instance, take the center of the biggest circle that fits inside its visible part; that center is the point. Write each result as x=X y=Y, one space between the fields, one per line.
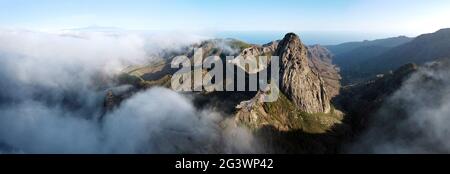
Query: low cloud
x=414 y=119
x=49 y=100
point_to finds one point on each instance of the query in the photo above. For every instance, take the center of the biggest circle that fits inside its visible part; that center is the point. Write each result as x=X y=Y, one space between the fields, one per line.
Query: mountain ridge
x=349 y=46
x=365 y=62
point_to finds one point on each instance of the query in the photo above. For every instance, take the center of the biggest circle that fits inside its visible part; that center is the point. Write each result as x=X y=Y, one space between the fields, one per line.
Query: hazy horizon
x=252 y=37
x=308 y=37
x=317 y=22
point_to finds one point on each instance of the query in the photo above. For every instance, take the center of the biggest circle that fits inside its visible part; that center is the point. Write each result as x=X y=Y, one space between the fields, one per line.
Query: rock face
x=284 y=115
x=320 y=60
x=252 y=55
x=270 y=47
x=298 y=81
x=320 y=53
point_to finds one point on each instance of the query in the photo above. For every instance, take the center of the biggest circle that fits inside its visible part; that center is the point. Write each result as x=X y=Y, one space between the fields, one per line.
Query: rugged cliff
x=304 y=101
x=298 y=81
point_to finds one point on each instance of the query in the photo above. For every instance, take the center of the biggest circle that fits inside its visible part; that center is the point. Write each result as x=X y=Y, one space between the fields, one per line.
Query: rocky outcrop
x=252 y=55
x=308 y=82
x=270 y=47
x=307 y=75
x=284 y=115
x=298 y=81
x=253 y=114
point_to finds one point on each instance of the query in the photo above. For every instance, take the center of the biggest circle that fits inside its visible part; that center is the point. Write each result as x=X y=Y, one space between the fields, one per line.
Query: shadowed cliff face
x=298 y=82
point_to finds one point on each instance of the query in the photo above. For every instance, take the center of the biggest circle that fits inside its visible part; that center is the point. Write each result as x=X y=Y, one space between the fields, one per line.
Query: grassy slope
x=296 y=119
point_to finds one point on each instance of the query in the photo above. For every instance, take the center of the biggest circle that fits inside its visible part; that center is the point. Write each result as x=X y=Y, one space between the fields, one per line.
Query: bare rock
x=298 y=81
x=320 y=61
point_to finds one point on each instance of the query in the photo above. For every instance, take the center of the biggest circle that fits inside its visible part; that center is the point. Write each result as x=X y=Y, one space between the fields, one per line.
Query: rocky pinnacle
x=298 y=82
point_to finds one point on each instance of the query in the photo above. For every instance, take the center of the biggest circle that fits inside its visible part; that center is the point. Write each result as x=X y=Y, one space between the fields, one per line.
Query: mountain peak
x=291 y=34
x=291 y=37
x=291 y=44
x=298 y=81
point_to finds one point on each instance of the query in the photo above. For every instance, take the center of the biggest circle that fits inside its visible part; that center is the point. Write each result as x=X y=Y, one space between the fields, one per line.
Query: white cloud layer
x=415 y=118
x=49 y=102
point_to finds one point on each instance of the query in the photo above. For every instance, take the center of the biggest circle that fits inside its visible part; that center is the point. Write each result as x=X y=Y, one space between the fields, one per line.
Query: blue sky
x=408 y=17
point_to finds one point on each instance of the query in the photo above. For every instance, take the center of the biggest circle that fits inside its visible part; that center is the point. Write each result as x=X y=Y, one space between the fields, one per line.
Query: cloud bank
x=50 y=99
x=416 y=118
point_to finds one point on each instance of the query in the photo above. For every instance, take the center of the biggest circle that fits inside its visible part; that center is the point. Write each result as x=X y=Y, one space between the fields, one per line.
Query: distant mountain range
x=350 y=46
x=360 y=61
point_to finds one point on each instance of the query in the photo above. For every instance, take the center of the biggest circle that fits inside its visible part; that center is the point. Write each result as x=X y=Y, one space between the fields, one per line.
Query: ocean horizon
x=307 y=37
